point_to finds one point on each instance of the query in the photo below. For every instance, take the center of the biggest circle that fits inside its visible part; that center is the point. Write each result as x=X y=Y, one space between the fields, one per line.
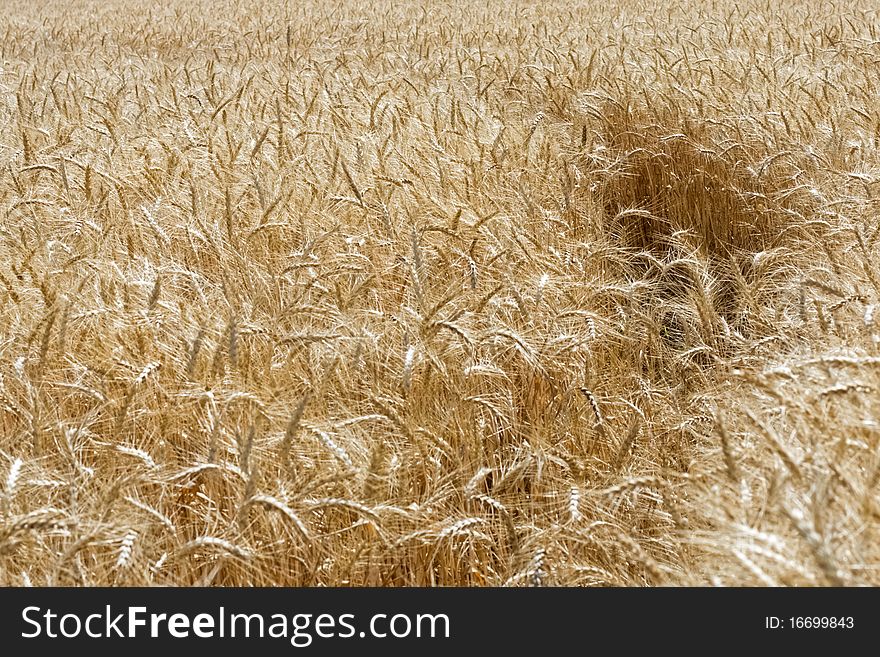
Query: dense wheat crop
x=497 y=293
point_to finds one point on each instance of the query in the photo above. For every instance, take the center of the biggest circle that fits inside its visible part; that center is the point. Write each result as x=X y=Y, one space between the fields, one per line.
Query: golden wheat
x=506 y=293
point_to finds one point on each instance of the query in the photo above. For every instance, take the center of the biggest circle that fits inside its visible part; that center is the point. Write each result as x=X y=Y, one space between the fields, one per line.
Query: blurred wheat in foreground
x=501 y=293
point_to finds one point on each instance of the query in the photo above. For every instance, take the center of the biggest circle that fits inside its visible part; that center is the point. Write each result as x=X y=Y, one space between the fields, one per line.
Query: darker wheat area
x=502 y=295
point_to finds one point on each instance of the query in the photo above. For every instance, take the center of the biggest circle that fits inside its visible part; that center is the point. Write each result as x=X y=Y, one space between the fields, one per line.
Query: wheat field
x=417 y=293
